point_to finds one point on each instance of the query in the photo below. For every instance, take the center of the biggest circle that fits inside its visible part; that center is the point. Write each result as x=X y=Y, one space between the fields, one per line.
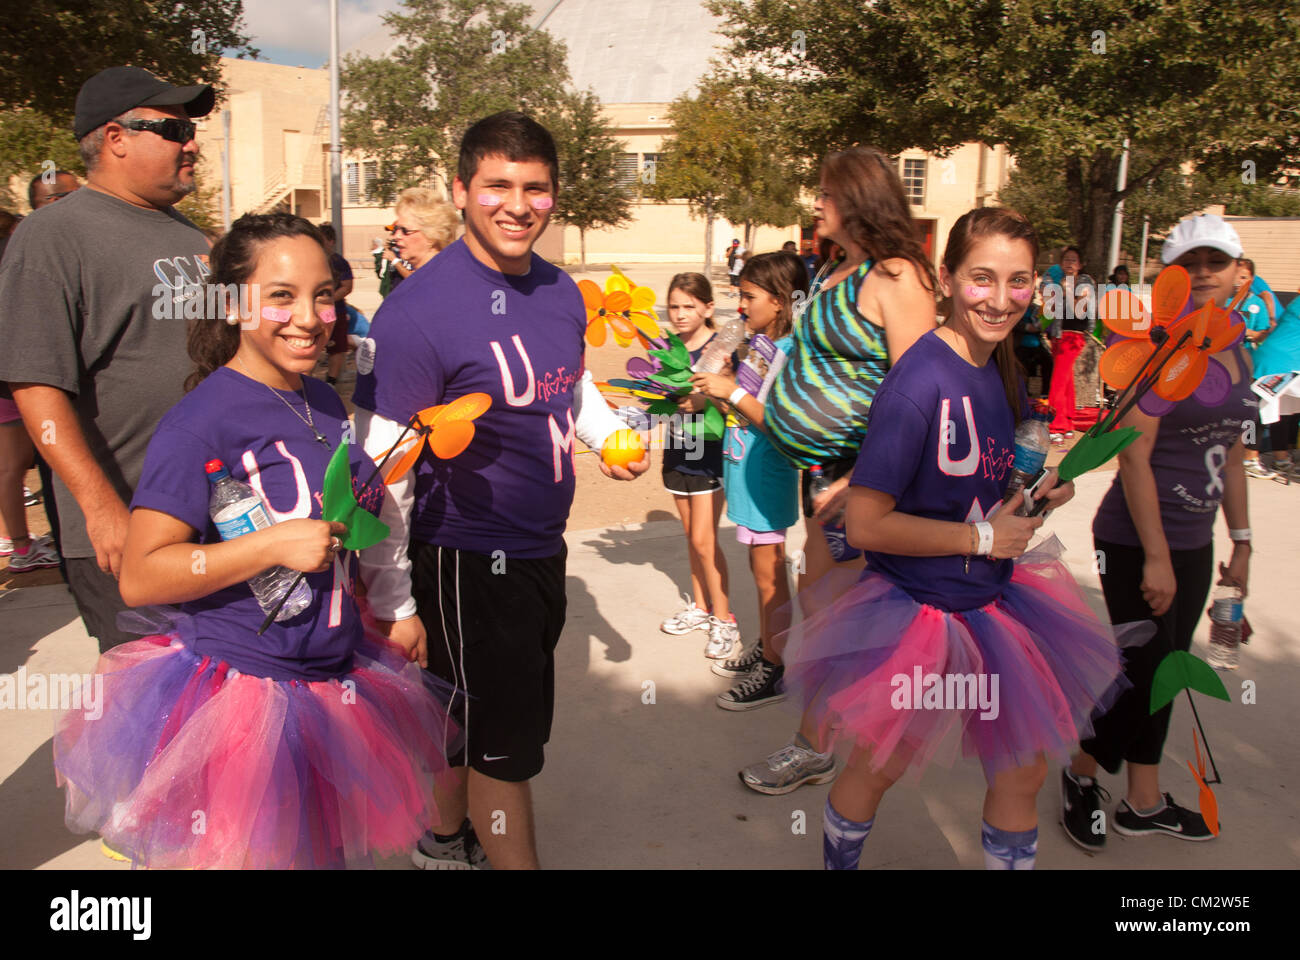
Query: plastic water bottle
x=836 y=537
x=236 y=509
x=1225 y=626
x=724 y=343
x=1033 y=441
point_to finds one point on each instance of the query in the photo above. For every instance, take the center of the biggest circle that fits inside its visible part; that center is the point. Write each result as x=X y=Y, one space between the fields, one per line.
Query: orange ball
x=622 y=447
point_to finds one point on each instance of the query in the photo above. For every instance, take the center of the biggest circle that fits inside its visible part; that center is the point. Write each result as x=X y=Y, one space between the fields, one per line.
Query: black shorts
x=98 y=600
x=493 y=624
x=689 y=484
x=831 y=471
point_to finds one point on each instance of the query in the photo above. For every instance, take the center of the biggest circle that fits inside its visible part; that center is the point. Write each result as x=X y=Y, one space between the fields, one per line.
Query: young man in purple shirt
x=471 y=579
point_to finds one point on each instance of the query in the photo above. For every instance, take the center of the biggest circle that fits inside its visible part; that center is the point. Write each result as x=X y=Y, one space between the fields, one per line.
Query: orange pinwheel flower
x=624 y=306
x=1188 y=339
x=447 y=429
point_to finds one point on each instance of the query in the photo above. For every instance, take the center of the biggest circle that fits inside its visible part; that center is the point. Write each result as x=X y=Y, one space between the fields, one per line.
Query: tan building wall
x=1274 y=244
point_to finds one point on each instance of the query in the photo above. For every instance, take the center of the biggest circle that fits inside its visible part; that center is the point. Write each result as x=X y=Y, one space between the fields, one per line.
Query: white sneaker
x=692 y=618
x=38 y=553
x=724 y=639
x=6 y=546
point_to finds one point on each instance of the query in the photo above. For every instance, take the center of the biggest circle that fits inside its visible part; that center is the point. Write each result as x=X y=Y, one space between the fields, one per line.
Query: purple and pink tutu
x=193 y=764
x=911 y=683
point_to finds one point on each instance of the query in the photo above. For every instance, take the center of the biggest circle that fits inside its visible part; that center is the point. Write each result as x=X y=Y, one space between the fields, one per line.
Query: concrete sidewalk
x=636 y=784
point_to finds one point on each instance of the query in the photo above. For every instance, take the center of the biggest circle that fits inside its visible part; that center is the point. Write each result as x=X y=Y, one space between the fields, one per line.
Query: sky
x=297 y=32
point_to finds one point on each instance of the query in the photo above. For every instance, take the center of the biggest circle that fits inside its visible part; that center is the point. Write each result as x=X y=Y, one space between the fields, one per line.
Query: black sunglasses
x=177 y=131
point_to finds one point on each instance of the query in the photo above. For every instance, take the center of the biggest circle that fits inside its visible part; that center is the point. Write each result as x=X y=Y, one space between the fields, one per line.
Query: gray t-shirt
x=85 y=284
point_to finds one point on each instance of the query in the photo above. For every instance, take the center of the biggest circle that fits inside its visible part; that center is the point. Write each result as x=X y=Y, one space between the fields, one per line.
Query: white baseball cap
x=1207 y=230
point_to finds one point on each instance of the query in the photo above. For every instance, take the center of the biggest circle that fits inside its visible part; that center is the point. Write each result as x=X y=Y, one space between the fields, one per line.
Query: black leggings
x=1129 y=731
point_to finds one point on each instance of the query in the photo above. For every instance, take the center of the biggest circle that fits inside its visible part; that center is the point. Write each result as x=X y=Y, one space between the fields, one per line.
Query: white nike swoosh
x=505 y=757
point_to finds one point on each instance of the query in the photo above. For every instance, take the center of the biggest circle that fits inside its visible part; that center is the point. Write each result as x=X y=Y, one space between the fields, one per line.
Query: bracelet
x=985 y=531
x=1241 y=535
x=974 y=540
x=737 y=394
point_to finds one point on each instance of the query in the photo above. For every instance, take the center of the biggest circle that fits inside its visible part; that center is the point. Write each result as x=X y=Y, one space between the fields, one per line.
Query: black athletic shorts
x=689 y=484
x=831 y=471
x=493 y=624
x=98 y=601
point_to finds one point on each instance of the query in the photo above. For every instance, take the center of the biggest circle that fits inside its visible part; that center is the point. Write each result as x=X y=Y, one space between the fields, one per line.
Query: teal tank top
x=818 y=408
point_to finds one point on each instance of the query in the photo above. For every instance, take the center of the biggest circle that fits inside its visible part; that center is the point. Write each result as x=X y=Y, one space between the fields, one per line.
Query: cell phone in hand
x=1033 y=506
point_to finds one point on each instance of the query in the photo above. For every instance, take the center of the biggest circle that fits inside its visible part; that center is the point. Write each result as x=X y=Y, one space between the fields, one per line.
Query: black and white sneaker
x=461 y=851
x=1171 y=820
x=740 y=666
x=1079 y=808
x=761 y=687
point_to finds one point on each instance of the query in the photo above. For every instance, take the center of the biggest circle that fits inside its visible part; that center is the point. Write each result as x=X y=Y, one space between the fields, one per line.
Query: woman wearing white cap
x=1154 y=530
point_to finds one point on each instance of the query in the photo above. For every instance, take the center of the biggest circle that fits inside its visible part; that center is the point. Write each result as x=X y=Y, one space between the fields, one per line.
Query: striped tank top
x=818 y=408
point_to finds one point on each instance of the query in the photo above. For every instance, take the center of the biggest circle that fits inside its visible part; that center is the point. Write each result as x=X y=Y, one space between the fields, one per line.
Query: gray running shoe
x=692 y=618
x=788 y=769
x=740 y=666
x=37 y=554
x=724 y=639
x=461 y=852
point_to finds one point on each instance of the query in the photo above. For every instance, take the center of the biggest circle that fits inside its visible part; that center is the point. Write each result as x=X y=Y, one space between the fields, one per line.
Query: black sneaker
x=1079 y=808
x=1171 y=820
x=761 y=687
x=740 y=666
x=461 y=851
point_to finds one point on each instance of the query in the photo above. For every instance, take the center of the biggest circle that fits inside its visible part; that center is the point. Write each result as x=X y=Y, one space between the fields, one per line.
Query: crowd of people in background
x=890 y=394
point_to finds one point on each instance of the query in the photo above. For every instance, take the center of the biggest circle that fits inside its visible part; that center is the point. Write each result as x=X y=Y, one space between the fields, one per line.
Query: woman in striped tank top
x=874 y=305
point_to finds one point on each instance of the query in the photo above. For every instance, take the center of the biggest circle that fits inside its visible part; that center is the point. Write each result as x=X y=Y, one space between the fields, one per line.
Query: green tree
x=53 y=46
x=692 y=162
x=590 y=197
x=456 y=62
x=1062 y=81
x=727 y=158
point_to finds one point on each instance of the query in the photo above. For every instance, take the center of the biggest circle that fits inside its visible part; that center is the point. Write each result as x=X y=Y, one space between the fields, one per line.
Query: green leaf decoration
x=662 y=408
x=338 y=504
x=1180 y=670
x=710 y=426
x=1091 y=452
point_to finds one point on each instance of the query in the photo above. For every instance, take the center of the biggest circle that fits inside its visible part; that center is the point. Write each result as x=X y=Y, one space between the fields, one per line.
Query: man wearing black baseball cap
x=93 y=357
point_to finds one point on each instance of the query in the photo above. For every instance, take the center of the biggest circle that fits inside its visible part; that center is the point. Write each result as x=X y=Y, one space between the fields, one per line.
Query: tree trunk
x=582 y=246
x=1092 y=200
x=708 y=239
x=749 y=236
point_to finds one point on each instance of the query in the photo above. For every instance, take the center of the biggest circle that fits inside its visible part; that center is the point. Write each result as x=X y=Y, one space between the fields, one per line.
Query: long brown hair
x=213 y=340
x=976 y=225
x=780 y=274
x=874 y=208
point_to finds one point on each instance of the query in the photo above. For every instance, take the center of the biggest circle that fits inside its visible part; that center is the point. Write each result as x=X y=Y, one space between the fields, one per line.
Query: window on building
x=359 y=178
x=628 y=171
x=914 y=181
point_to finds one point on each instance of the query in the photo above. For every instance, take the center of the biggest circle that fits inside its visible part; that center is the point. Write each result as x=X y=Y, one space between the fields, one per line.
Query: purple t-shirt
x=939 y=441
x=238 y=421
x=456 y=327
x=1188 y=457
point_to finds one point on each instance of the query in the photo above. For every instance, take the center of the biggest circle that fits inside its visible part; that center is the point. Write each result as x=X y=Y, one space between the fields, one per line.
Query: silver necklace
x=307 y=420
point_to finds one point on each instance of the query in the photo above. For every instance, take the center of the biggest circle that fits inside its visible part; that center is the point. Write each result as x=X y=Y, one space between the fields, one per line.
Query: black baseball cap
x=112 y=92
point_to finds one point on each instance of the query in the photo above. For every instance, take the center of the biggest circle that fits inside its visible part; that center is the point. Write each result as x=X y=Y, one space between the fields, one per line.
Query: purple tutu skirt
x=910 y=683
x=193 y=764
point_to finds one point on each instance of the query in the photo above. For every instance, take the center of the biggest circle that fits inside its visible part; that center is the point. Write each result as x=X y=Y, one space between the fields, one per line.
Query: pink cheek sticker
x=326 y=314
x=542 y=203
x=489 y=200
x=277 y=314
x=1021 y=296
x=978 y=293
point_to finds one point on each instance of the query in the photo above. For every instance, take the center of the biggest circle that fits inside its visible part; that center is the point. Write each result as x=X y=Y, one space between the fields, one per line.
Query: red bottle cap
x=214 y=466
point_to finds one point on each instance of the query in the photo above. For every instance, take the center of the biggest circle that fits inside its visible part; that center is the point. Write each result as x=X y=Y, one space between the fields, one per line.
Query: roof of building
x=649 y=52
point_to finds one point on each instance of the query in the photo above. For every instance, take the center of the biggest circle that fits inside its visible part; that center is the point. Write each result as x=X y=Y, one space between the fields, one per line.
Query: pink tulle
x=193 y=764
x=1045 y=659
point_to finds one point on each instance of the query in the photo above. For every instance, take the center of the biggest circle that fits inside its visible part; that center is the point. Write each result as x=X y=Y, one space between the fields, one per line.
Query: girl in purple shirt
x=953 y=630
x=1155 y=530
x=311 y=745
